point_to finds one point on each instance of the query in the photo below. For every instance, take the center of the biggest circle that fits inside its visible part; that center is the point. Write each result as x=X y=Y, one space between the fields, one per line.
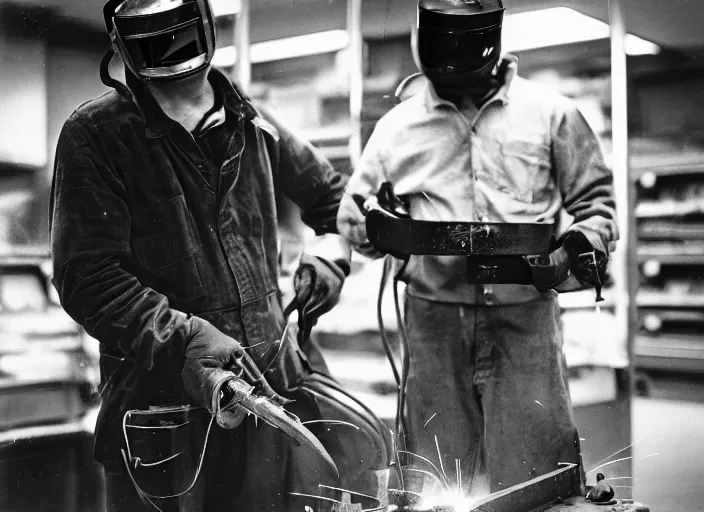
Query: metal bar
x=356 y=62
x=533 y=494
x=243 y=64
x=625 y=257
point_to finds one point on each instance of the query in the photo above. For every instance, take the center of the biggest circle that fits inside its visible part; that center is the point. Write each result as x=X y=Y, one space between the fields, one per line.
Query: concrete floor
x=668 y=467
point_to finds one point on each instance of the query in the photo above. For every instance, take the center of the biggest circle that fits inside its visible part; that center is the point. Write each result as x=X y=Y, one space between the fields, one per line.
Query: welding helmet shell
x=459 y=40
x=161 y=40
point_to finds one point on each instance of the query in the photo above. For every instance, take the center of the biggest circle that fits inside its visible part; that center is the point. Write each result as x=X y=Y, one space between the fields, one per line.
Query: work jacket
x=139 y=237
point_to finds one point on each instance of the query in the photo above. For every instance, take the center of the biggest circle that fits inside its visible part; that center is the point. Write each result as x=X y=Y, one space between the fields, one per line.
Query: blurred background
x=330 y=68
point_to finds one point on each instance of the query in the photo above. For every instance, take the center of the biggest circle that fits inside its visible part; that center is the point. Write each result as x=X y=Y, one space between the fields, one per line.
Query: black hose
x=382 y=329
x=107 y=79
x=401 y=379
x=401 y=423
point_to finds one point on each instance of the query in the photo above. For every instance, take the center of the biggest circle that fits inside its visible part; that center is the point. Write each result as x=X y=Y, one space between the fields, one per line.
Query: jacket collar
x=159 y=124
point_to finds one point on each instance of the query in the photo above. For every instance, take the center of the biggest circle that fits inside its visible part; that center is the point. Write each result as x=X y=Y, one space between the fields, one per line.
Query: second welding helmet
x=161 y=40
x=459 y=41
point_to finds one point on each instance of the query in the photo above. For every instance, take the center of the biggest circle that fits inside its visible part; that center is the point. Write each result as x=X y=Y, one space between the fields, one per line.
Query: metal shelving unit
x=669 y=223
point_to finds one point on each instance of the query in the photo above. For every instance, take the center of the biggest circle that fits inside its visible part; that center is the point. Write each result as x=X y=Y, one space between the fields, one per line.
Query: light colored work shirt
x=527 y=155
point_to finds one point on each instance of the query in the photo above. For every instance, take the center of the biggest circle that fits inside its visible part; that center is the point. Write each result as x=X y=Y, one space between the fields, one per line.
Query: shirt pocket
x=525 y=170
x=165 y=245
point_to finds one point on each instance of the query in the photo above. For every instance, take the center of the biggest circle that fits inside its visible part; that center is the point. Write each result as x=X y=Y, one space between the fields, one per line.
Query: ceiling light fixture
x=560 y=26
x=286 y=48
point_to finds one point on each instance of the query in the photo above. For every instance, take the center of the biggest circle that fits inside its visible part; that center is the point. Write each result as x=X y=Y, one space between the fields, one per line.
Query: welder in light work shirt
x=482 y=144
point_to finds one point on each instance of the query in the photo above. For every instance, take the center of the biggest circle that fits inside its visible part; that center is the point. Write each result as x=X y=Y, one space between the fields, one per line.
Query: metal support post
x=356 y=60
x=243 y=64
x=624 y=264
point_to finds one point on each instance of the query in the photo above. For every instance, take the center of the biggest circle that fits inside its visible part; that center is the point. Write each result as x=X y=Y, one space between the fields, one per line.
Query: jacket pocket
x=525 y=169
x=167 y=248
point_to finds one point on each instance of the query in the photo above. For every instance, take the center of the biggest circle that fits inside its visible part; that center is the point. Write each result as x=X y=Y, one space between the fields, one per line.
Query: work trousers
x=488 y=387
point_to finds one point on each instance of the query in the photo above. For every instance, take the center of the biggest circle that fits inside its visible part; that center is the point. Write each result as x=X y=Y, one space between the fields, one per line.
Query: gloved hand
x=211 y=361
x=317 y=285
x=550 y=270
x=587 y=264
x=351 y=223
x=572 y=255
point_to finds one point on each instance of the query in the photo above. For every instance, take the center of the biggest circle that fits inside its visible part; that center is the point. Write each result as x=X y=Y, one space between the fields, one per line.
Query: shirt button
x=488 y=295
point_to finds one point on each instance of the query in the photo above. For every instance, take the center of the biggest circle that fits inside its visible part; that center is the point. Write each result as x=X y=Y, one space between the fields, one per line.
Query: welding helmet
x=458 y=42
x=162 y=39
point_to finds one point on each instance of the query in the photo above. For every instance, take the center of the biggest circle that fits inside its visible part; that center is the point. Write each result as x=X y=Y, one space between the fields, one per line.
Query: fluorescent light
x=225 y=7
x=286 y=48
x=638 y=46
x=299 y=46
x=559 y=26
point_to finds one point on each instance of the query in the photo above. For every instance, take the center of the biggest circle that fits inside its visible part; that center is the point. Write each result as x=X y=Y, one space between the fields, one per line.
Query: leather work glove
x=574 y=256
x=351 y=223
x=587 y=264
x=211 y=361
x=317 y=284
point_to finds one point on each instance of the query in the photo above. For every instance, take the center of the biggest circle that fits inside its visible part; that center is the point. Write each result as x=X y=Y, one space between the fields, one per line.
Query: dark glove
x=210 y=362
x=317 y=284
x=587 y=264
x=550 y=270
x=573 y=255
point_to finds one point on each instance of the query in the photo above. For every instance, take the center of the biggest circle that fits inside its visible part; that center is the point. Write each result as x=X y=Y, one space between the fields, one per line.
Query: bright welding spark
x=459 y=475
x=427 y=461
x=427 y=473
x=541 y=405
x=608 y=464
x=622 y=450
x=426 y=423
x=440 y=457
x=332 y=422
x=619 y=460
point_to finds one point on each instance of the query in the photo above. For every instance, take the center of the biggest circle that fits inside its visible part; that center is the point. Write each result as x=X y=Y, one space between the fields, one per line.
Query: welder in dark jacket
x=164 y=243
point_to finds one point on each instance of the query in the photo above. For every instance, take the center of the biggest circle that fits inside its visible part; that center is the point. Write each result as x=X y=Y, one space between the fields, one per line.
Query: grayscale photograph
x=351 y=256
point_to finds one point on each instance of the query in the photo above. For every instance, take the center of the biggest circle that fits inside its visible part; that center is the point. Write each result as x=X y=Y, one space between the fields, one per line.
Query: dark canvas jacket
x=138 y=235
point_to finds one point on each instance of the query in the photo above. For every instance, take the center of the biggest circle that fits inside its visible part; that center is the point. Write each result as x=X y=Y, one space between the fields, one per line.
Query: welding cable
x=402 y=377
x=401 y=424
x=388 y=262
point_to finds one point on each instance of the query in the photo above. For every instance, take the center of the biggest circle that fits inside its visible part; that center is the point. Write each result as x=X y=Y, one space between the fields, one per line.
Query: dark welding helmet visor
x=459 y=36
x=163 y=40
x=466 y=51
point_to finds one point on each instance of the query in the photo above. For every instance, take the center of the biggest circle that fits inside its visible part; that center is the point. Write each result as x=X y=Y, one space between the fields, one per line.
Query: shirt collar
x=510 y=66
x=159 y=124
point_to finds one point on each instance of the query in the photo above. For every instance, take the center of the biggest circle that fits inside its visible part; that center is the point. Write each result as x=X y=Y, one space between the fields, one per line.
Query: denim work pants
x=490 y=382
